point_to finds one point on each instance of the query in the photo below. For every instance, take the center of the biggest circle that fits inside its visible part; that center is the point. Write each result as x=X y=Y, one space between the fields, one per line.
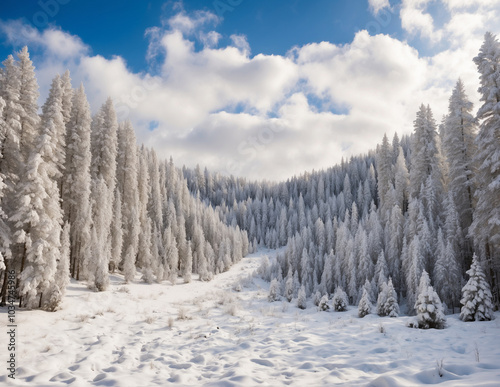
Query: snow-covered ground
x=213 y=334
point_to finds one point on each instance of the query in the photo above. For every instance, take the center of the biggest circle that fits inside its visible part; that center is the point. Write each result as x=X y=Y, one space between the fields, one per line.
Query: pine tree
x=323 y=304
x=52 y=110
x=476 y=295
x=289 y=287
x=28 y=96
x=301 y=298
x=148 y=264
x=77 y=183
x=428 y=305
x=391 y=307
x=143 y=184
x=447 y=272
x=68 y=95
x=459 y=147
x=187 y=266
x=128 y=266
x=394 y=247
x=274 y=291
x=425 y=155
x=485 y=227
x=62 y=274
x=381 y=270
x=381 y=299
x=154 y=202
x=4 y=228
x=365 y=268
x=339 y=300
x=116 y=233
x=103 y=171
x=384 y=172
x=401 y=181
x=19 y=90
x=365 y=306
x=97 y=266
x=127 y=184
x=41 y=217
x=414 y=269
x=172 y=254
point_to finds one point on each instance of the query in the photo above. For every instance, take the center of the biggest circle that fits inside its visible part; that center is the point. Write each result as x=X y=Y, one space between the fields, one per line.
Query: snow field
x=226 y=333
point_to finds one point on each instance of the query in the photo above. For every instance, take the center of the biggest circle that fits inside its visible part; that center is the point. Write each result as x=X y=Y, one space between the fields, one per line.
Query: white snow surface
x=123 y=337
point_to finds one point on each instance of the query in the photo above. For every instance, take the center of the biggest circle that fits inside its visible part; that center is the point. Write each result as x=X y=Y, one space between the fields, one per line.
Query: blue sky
x=258 y=88
x=271 y=27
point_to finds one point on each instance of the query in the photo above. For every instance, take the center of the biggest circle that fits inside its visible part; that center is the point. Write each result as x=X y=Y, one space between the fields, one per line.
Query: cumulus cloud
x=55 y=42
x=271 y=116
x=416 y=21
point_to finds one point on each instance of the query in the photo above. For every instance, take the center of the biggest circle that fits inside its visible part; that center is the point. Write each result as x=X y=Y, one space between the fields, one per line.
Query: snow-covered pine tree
x=428 y=306
x=381 y=299
x=103 y=171
x=301 y=298
x=77 y=182
x=148 y=265
x=143 y=187
x=394 y=247
x=384 y=173
x=19 y=90
x=316 y=298
x=187 y=266
x=485 y=227
x=401 y=181
x=447 y=273
x=459 y=148
x=127 y=184
x=62 y=274
x=53 y=110
x=154 y=202
x=97 y=273
x=381 y=270
x=41 y=217
x=4 y=229
x=323 y=304
x=28 y=96
x=274 y=291
x=339 y=300
x=68 y=94
x=128 y=261
x=415 y=267
x=289 y=287
x=391 y=306
x=425 y=152
x=116 y=233
x=365 y=306
x=476 y=295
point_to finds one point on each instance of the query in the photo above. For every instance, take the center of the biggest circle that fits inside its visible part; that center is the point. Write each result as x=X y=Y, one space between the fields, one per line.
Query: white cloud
x=377 y=5
x=253 y=115
x=240 y=41
x=415 y=21
x=56 y=42
x=470 y=4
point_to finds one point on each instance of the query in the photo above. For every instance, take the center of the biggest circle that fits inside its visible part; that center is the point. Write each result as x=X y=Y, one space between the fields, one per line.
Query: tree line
x=80 y=198
x=425 y=202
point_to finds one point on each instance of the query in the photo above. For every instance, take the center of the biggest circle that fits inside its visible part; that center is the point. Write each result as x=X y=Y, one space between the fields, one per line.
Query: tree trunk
x=4 y=285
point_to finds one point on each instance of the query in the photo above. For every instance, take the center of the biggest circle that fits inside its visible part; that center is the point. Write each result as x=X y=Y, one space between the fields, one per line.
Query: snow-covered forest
x=414 y=222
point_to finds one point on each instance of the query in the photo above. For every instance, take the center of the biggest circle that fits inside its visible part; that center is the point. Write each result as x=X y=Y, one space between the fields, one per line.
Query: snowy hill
x=226 y=333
